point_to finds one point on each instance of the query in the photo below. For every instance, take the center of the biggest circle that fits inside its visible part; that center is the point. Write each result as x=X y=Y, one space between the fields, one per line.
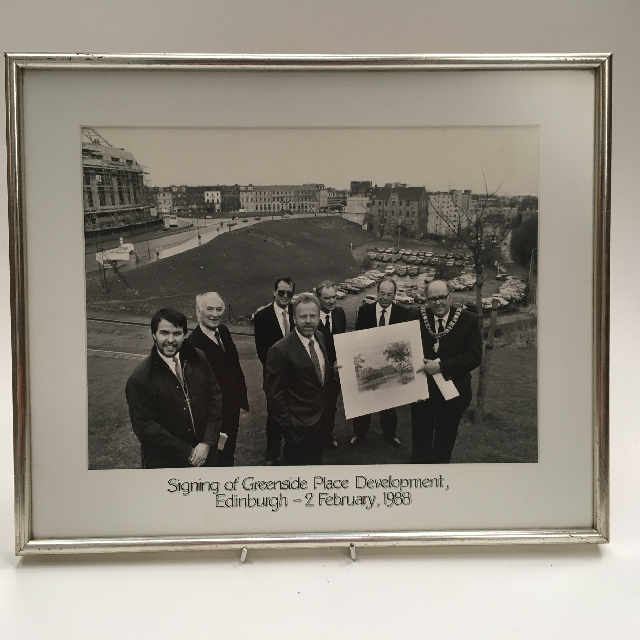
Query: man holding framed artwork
x=378 y=314
x=270 y=324
x=174 y=399
x=452 y=348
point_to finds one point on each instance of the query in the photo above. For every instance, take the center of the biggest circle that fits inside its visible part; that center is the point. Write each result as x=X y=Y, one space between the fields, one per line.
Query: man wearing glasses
x=379 y=314
x=270 y=324
x=452 y=346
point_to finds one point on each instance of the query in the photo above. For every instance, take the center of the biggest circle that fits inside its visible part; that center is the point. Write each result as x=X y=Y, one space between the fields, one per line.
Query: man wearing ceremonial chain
x=452 y=348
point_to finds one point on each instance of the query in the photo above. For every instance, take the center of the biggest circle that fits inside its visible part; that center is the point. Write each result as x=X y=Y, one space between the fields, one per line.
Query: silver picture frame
x=20 y=64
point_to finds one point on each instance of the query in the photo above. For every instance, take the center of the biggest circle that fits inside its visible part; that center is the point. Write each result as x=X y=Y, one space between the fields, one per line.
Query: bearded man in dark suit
x=379 y=314
x=214 y=339
x=295 y=383
x=332 y=322
x=270 y=324
x=452 y=346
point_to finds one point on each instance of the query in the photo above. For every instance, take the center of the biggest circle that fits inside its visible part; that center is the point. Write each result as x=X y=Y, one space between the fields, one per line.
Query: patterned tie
x=216 y=333
x=285 y=323
x=382 y=320
x=316 y=362
x=327 y=322
x=178 y=369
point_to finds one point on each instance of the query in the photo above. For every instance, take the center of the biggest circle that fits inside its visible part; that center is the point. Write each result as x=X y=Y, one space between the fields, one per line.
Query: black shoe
x=332 y=443
x=356 y=440
x=394 y=441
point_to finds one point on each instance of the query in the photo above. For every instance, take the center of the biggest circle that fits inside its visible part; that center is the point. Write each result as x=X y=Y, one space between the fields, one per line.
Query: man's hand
x=199 y=455
x=430 y=366
x=336 y=371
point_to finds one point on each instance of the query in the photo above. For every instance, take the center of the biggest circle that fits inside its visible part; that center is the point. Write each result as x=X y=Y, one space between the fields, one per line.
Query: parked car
x=403 y=299
x=402 y=271
x=413 y=271
x=370 y=299
x=434 y=261
x=341 y=295
x=390 y=270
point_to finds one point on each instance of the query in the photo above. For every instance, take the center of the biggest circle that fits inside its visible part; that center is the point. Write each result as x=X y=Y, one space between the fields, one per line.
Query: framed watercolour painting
x=308 y=301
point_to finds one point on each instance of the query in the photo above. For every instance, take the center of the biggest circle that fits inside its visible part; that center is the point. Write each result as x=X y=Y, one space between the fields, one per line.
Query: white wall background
x=527 y=592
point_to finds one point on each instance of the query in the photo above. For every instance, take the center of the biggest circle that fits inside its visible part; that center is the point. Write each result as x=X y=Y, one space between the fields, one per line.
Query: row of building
x=116 y=198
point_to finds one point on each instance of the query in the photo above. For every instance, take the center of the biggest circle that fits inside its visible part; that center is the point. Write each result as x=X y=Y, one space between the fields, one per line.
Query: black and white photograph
x=199 y=244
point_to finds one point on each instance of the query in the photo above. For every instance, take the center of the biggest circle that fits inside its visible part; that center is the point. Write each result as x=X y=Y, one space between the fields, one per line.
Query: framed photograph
x=380 y=369
x=200 y=242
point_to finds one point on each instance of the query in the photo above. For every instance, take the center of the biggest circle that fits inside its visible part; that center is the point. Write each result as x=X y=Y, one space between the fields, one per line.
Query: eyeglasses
x=437 y=298
x=285 y=294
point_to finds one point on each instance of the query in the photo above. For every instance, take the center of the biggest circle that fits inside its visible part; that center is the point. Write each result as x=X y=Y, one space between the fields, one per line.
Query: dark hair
x=288 y=280
x=176 y=318
x=325 y=284
x=393 y=282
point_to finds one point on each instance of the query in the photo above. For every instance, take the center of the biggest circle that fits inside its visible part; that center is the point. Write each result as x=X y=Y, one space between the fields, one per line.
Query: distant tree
x=399 y=353
x=358 y=363
x=524 y=240
x=480 y=231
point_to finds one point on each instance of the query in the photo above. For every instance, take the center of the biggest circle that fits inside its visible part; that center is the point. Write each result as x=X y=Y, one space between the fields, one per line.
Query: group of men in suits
x=190 y=390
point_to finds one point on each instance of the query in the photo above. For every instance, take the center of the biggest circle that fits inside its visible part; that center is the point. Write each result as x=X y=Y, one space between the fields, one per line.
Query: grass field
x=241 y=265
x=509 y=432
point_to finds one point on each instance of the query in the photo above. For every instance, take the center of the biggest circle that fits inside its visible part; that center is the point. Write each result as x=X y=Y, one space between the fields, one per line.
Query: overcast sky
x=439 y=158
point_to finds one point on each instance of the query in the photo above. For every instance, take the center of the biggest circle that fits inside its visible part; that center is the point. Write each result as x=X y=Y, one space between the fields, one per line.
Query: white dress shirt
x=281 y=314
x=387 y=313
x=305 y=341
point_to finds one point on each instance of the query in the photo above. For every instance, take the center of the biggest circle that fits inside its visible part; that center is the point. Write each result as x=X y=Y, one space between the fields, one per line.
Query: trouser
x=388 y=424
x=434 y=429
x=303 y=445
x=330 y=408
x=274 y=438
x=230 y=425
x=274 y=433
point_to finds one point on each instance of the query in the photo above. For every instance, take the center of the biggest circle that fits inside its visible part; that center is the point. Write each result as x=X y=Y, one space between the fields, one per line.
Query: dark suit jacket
x=338 y=325
x=267 y=331
x=160 y=413
x=460 y=352
x=295 y=394
x=366 y=318
x=225 y=365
